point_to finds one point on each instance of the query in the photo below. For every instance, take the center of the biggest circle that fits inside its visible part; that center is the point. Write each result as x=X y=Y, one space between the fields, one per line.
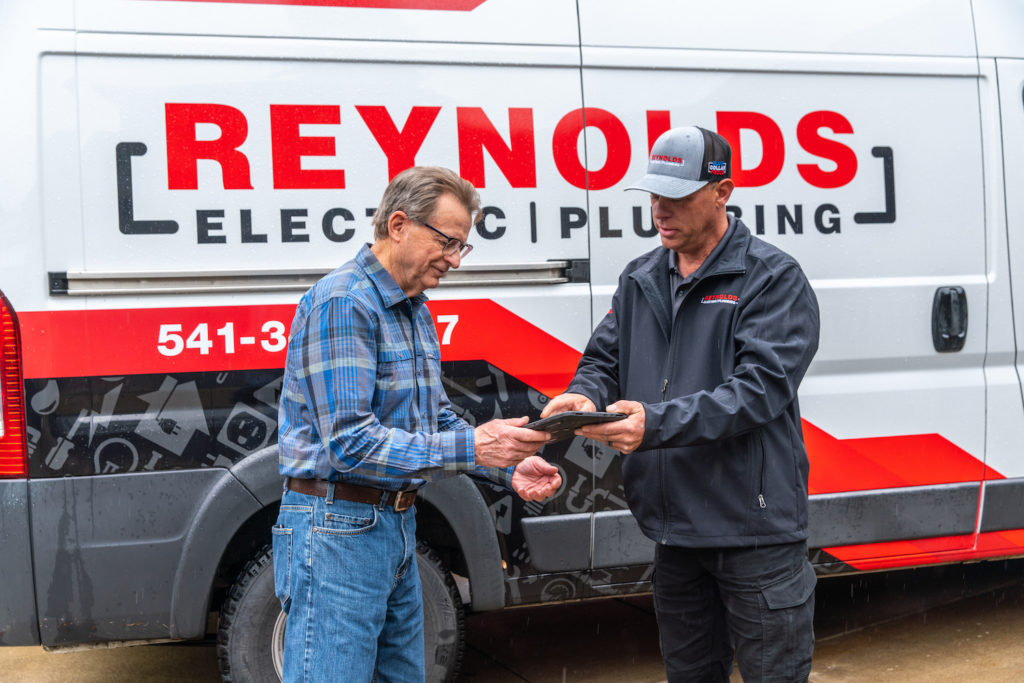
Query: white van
x=176 y=172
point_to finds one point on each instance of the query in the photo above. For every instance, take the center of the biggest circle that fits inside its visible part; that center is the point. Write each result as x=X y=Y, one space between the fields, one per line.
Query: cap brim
x=667 y=186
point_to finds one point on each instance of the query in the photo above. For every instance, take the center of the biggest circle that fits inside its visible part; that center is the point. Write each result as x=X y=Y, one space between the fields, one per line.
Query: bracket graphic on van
x=125 y=205
x=889 y=215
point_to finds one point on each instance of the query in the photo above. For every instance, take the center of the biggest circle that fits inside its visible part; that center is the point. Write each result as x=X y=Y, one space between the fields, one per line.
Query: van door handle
x=949 y=319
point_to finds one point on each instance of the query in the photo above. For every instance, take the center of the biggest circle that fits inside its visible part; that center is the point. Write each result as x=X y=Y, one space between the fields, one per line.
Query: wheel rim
x=277 y=644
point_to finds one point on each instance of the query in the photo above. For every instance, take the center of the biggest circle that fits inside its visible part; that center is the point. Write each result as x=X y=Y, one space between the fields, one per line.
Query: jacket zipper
x=760 y=493
x=664 y=393
x=661 y=472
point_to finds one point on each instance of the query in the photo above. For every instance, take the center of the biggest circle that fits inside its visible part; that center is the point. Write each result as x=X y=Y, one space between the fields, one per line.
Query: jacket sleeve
x=775 y=338
x=597 y=375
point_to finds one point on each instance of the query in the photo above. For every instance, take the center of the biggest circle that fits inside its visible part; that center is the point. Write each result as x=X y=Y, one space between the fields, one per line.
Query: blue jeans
x=758 y=601
x=346 y=576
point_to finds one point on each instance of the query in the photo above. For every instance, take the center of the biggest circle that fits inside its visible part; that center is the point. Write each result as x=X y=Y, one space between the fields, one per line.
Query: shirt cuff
x=458 y=447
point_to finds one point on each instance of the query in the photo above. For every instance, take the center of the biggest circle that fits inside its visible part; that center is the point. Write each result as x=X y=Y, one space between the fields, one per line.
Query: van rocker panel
x=561 y=543
x=1003 y=507
x=18 y=620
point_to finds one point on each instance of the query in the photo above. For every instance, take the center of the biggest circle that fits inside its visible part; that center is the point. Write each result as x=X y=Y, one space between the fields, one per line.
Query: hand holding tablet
x=562 y=425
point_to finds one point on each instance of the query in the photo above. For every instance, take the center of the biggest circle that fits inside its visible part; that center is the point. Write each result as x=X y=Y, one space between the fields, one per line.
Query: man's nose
x=454 y=259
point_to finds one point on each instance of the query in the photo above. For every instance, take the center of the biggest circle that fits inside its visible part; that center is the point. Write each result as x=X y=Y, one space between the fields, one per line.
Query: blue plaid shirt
x=362 y=400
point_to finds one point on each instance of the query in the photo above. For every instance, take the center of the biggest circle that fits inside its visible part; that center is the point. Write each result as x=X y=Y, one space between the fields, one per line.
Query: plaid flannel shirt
x=362 y=400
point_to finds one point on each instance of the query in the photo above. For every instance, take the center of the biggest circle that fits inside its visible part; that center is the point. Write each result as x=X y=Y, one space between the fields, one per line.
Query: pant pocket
x=794 y=590
x=358 y=518
x=282 y=539
x=788 y=623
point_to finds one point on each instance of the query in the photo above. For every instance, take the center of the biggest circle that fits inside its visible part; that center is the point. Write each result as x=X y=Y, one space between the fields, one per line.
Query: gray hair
x=416 y=190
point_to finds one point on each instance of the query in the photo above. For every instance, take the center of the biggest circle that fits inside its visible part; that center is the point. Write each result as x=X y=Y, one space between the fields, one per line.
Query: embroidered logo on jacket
x=721 y=299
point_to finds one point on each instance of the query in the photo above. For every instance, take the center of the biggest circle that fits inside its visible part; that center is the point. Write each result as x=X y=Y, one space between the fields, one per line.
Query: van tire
x=443 y=617
x=249 y=620
x=247 y=623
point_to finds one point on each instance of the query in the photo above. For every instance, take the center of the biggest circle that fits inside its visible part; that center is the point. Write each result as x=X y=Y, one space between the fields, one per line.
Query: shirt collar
x=386 y=286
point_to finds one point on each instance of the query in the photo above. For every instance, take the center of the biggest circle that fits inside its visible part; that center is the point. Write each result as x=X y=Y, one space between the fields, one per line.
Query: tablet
x=562 y=425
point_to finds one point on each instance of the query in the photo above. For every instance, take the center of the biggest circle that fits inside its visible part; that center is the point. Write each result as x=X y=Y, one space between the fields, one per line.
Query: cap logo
x=675 y=161
x=716 y=167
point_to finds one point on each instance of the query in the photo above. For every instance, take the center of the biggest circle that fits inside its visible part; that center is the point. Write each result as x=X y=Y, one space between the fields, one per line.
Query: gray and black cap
x=683 y=160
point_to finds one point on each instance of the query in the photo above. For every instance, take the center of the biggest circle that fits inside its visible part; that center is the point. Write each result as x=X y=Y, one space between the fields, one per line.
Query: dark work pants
x=756 y=601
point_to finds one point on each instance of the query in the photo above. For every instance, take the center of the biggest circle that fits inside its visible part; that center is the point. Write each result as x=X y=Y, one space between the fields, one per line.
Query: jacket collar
x=652 y=276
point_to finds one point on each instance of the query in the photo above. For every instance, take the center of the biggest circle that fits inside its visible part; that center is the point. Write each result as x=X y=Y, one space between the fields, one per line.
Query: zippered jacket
x=722 y=462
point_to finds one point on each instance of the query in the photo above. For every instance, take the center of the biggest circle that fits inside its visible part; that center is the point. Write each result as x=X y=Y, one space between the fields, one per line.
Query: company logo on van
x=721 y=299
x=481 y=150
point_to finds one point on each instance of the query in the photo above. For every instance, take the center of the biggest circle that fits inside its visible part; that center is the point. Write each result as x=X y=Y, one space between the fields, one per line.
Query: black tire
x=443 y=619
x=251 y=617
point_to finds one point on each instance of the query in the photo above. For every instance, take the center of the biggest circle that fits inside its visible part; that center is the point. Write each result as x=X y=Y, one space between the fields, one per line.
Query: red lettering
x=657 y=123
x=184 y=150
x=565 y=141
x=844 y=157
x=773 y=147
x=517 y=160
x=400 y=147
x=288 y=147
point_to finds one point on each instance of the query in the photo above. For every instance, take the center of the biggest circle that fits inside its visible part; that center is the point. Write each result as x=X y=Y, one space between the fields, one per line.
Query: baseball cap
x=683 y=160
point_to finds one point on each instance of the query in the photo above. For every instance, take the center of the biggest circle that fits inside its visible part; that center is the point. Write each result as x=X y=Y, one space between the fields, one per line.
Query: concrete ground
x=959 y=623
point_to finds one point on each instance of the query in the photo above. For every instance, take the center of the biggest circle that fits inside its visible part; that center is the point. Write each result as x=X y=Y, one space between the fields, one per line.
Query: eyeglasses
x=453 y=245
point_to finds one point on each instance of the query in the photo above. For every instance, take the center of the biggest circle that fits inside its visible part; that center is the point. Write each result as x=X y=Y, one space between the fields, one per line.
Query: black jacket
x=722 y=462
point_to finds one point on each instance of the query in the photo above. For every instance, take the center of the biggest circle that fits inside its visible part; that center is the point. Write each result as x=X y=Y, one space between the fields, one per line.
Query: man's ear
x=723 y=190
x=398 y=223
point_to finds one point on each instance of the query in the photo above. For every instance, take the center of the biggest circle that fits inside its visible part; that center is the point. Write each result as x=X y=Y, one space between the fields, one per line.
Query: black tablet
x=562 y=425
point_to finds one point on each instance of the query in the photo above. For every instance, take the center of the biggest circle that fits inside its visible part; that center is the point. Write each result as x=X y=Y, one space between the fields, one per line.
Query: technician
x=708 y=338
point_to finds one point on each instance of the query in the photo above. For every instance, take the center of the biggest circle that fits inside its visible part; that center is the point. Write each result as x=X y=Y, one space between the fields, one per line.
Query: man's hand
x=566 y=402
x=536 y=479
x=504 y=443
x=622 y=435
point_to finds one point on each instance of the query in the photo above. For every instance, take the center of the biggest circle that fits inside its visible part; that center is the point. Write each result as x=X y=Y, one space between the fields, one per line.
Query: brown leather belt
x=399 y=500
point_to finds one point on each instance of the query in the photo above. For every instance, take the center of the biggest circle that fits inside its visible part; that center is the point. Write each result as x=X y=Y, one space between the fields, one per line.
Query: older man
x=706 y=343
x=364 y=421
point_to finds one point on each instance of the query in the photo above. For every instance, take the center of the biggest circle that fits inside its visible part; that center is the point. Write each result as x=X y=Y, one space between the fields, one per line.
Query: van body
x=177 y=172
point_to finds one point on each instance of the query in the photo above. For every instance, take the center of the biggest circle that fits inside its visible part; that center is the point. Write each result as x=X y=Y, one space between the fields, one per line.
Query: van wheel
x=251 y=617
x=443 y=619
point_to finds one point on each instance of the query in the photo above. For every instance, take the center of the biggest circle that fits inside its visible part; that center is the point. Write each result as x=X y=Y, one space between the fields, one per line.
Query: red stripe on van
x=446 y=5
x=225 y=338
x=887 y=462
x=876 y=556
x=127 y=341
x=487 y=331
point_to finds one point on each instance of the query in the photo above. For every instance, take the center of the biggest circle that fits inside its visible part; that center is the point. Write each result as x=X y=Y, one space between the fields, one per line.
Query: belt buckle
x=400 y=497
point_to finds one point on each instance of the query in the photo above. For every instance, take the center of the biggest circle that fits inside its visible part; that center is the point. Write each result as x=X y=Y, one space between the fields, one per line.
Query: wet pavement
x=956 y=623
